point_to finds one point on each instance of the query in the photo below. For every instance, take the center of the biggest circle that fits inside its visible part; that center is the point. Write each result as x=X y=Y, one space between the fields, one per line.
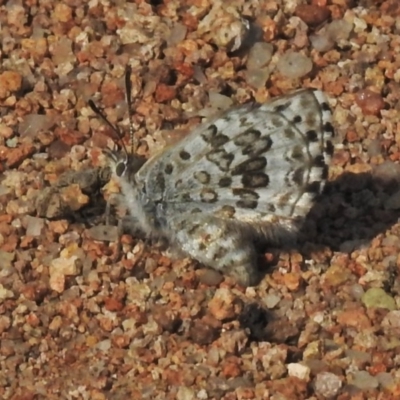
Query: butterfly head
x=122 y=164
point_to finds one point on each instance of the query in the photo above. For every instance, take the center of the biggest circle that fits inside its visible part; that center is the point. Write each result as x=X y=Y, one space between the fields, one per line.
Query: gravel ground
x=84 y=318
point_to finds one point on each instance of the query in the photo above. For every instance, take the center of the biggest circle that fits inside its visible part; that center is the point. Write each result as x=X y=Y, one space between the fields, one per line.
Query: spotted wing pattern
x=247 y=175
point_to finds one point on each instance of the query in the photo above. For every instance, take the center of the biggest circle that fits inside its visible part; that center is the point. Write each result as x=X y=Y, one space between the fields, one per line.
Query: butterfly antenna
x=117 y=133
x=128 y=90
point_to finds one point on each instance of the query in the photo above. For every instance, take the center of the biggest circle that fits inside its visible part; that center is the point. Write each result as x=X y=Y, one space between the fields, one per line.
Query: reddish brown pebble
x=341 y=158
x=292 y=281
x=202 y=334
x=112 y=94
x=15 y=156
x=312 y=15
x=224 y=304
x=36 y=47
x=371 y=103
x=352 y=136
x=58 y=149
x=112 y=304
x=10 y=82
x=5 y=323
x=70 y=357
x=5 y=131
x=62 y=13
x=231 y=367
x=25 y=395
x=355 y=318
x=319 y=3
x=185 y=69
x=27 y=242
x=244 y=393
x=33 y=320
x=106 y=323
x=121 y=341
x=165 y=93
x=72 y=196
x=69 y=137
x=281 y=330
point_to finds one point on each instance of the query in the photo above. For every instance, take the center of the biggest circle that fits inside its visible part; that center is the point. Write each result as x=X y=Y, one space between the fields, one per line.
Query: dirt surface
x=84 y=316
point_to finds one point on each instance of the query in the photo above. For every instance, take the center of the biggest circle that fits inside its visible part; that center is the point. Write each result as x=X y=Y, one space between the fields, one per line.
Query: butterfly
x=244 y=178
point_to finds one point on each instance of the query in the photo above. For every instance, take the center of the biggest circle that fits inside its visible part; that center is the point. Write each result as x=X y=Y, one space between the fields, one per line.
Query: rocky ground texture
x=81 y=318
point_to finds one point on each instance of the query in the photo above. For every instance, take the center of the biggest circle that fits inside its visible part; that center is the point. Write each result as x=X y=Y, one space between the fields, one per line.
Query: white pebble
x=294 y=65
x=327 y=384
x=259 y=55
x=299 y=371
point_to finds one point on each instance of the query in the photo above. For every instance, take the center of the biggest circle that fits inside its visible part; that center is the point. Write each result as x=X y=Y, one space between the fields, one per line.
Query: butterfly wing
x=248 y=174
x=254 y=163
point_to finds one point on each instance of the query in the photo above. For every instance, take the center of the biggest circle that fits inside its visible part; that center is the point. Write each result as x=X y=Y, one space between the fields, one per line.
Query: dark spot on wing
x=226 y=181
x=248 y=198
x=312 y=135
x=184 y=155
x=253 y=164
x=255 y=180
x=328 y=128
x=168 y=169
x=329 y=148
x=319 y=161
x=297 y=119
x=325 y=106
x=282 y=107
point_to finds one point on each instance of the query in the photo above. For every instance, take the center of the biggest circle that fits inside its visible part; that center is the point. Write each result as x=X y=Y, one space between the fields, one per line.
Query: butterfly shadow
x=348 y=215
x=351 y=212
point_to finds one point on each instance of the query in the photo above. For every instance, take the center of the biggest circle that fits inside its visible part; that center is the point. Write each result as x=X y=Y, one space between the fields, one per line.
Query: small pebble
x=339 y=30
x=364 y=380
x=34 y=226
x=271 y=300
x=185 y=393
x=259 y=55
x=5 y=293
x=294 y=65
x=103 y=233
x=31 y=124
x=322 y=42
x=178 y=34
x=311 y=14
x=327 y=384
x=378 y=298
x=223 y=305
x=257 y=78
x=299 y=371
x=219 y=101
x=371 y=103
x=210 y=277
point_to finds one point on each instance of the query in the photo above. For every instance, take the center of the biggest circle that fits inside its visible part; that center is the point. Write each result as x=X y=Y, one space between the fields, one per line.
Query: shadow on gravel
x=352 y=211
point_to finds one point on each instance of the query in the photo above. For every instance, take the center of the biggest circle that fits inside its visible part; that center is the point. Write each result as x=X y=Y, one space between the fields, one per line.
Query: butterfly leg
x=222 y=245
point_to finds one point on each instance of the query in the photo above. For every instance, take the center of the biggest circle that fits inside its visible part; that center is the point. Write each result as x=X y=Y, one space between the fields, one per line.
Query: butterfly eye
x=120 y=168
